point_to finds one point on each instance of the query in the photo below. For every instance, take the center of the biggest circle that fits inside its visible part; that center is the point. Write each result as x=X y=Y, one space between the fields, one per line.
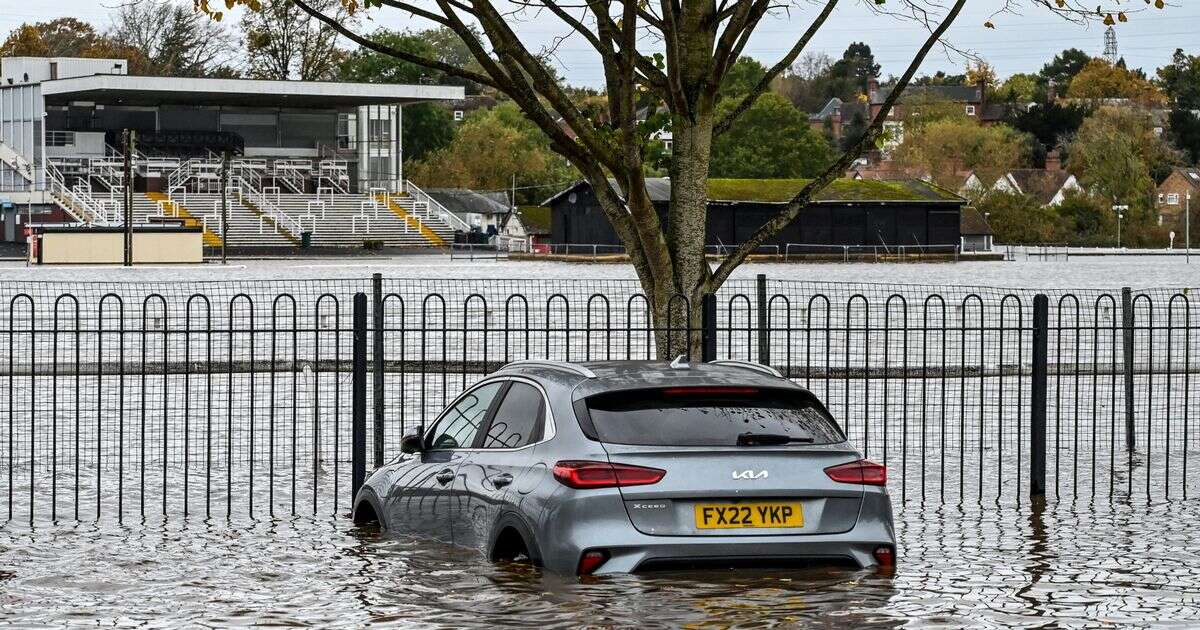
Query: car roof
x=595 y=377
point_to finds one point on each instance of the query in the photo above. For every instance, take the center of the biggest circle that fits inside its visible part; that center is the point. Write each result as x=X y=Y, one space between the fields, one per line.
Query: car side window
x=460 y=424
x=519 y=420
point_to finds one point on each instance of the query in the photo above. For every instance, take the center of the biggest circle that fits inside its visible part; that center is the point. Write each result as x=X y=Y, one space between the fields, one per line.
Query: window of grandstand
x=379 y=130
x=345 y=130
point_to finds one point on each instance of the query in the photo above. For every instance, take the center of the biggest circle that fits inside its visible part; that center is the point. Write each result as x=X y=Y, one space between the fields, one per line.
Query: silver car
x=635 y=466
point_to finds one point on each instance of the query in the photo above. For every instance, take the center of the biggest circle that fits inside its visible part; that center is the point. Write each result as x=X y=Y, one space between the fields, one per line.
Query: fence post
x=377 y=355
x=764 y=341
x=1037 y=419
x=358 y=399
x=1127 y=363
x=708 y=329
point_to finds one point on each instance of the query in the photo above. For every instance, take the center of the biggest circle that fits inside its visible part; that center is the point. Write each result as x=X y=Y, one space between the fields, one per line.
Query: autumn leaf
x=989 y=24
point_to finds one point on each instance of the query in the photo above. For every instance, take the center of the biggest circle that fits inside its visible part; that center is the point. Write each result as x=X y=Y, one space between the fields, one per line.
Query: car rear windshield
x=709 y=416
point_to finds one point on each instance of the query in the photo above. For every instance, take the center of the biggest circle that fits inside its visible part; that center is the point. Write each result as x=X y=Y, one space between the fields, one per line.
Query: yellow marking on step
x=210 y=238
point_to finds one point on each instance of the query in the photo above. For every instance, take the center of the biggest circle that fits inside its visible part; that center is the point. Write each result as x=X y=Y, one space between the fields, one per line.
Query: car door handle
x=445 y=477
x=502 y=480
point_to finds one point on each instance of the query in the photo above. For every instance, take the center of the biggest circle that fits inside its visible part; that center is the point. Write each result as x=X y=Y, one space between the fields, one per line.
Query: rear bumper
x=630 y=550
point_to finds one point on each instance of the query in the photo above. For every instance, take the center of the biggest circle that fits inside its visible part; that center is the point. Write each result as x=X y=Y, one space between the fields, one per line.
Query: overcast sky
x=1019 y=43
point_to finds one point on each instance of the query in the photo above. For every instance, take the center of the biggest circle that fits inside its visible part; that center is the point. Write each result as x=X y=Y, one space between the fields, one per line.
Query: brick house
x=1173 y=192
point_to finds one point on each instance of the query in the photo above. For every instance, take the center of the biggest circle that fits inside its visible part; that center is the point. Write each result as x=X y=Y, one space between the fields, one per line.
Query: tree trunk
x=678 y=300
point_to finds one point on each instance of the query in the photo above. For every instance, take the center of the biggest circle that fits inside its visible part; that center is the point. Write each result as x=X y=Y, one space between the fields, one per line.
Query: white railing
x=453 y=220
x=17 y=162
x=109 y=171
x=334 y=174
x=76 y=203
x=247 y=191
x=293 y=173
x=314 y=206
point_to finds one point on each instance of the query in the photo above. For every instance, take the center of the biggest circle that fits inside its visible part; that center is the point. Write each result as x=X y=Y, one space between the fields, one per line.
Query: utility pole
x=130 y=144
x=1187 y=228
x=224 y=204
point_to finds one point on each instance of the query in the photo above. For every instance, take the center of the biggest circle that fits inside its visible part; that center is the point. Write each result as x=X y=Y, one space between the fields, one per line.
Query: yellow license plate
x=742 y=515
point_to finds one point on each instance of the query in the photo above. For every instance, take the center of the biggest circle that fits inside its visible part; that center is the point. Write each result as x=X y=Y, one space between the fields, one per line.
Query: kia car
x=635 y=466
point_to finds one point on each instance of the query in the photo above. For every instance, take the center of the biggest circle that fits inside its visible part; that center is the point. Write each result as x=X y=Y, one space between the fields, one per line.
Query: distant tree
x=163 y=38
x=857 y=66
x=368 y=66
x=805 y=84
x=741 y=78
x=1063 y=68
x=283 y=42
x=25 y=41
x=1051 y=123
x=1183 y=129
x=63 y=37
x=1117 y=154
x=853 y=131
x=1020 y=88
x=815 y=78
x=1018 y=219
x=980 y=71
x=1087 y=219
x=425 y=128
x=771 y=140
x=940 y=78
x=1181 y=80
x=515 y=146
x=1101 y=80
x=949 y=147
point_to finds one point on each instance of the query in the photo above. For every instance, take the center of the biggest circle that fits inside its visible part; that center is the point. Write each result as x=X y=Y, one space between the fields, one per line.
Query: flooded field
x=1090 y=272
x=1104 y=550
x=1068 y=565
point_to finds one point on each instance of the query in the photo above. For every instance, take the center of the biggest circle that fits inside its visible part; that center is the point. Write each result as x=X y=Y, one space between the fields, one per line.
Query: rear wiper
x=769 y=439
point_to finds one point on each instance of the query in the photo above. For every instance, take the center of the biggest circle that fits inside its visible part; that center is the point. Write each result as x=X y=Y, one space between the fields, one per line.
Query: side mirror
x=411 y=443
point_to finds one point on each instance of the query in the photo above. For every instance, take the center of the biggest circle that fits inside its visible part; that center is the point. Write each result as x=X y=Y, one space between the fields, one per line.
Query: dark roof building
x=847 y=212
x=973 y=99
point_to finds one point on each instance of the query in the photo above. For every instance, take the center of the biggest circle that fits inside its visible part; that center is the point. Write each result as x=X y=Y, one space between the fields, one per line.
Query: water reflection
x=1061 y=564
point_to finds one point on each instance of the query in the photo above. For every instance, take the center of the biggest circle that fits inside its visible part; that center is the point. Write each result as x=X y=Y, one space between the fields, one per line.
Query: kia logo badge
x=749 y=474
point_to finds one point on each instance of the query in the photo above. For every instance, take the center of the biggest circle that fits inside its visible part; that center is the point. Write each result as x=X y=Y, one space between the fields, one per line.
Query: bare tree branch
x=783 y=64
x=393 y=52
x=781 y=220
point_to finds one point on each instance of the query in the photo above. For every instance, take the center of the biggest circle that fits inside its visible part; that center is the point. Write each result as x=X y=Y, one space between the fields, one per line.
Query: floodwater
x=1077 y=272
x=1065 y=565
x=1068 y=563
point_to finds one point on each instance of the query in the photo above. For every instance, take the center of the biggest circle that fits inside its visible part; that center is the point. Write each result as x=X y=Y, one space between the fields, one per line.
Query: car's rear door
x=498 y=469
x=421 y=500
x=713 y=484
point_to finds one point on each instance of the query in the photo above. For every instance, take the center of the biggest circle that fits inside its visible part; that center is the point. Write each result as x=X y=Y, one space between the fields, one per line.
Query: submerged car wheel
x=513 y=541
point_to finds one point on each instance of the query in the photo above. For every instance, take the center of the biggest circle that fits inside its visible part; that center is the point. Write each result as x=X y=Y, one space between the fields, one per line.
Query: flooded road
x=1067 y=565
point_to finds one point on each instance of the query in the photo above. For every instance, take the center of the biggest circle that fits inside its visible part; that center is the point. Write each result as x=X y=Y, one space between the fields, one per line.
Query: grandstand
x=312 y=163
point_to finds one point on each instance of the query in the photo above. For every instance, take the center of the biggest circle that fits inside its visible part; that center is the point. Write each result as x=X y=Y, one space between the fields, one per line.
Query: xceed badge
x=749 y=474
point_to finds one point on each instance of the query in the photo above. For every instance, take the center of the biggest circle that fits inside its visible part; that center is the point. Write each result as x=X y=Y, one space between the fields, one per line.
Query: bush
x=1019 y=220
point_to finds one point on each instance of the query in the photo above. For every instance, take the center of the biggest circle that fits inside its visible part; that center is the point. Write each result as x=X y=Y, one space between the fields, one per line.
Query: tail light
x=863 y=471
x=885 y=556
x=590 y=561
x=587 y=475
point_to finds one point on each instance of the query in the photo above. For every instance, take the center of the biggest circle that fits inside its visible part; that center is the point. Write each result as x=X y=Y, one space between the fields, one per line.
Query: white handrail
x=260 y=199
x=453 y=220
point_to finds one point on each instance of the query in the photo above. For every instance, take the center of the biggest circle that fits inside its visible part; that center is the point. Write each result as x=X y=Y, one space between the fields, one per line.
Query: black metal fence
x=243 y=399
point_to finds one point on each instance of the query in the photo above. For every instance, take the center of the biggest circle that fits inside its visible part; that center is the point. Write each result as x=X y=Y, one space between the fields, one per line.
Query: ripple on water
x=1070 y=564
